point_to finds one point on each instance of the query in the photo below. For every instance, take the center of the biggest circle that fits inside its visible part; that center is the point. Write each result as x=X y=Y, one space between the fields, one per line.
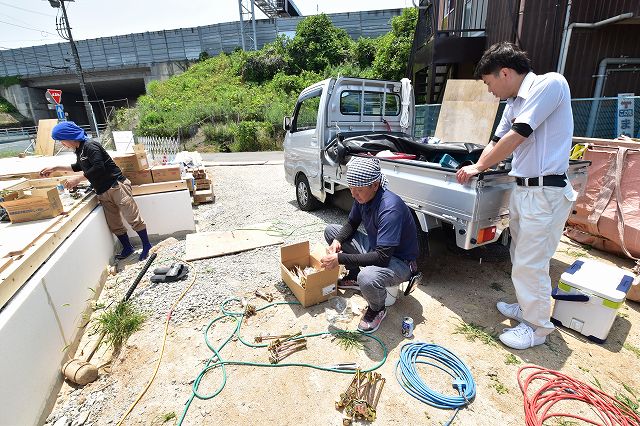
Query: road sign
x=60 y=112
x=53 y=95
x=626 y=105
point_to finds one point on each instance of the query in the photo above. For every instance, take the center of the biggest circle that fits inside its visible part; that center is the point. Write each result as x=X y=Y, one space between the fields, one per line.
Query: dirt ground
x=457 y=290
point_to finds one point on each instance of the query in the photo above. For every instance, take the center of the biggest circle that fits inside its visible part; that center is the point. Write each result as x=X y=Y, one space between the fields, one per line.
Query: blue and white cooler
x=588 y=297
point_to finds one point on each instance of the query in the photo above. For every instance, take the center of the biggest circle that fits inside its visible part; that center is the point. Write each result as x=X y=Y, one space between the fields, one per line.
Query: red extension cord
x=557 y=387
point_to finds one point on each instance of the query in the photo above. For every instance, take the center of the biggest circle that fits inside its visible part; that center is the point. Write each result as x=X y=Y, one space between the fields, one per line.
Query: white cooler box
x=588 y=297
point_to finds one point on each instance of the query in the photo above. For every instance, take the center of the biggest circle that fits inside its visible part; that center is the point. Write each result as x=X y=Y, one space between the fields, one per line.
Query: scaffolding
x=273 y=9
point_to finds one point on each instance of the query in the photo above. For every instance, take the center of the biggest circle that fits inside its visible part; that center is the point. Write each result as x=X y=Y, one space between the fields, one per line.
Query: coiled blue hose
x=407 y=375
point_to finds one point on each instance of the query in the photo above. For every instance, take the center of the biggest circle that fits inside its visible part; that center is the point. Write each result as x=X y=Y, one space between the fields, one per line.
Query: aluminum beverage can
x=407 y=327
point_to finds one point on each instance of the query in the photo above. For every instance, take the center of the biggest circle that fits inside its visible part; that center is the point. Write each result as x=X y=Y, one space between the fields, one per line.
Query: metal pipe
x=597 y=92
x=567 y=37
x=241 y=23
x=564 y=33
x=253 y=25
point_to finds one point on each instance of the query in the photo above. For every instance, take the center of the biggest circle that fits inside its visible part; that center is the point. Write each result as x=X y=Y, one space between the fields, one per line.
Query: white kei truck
x=335 y=119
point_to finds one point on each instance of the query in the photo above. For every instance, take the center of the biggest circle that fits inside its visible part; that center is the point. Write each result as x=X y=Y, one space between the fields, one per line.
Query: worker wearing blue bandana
x=112 y=188
x=386 y=255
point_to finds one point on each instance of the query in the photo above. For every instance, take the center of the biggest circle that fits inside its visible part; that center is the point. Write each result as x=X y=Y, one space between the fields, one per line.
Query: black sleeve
x=76 y=167
x=379 y=257
x=94 y=154
x=523 y=129
x=345 y=232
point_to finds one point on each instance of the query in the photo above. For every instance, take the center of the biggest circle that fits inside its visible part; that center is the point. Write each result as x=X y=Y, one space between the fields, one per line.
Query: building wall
x=541 y=24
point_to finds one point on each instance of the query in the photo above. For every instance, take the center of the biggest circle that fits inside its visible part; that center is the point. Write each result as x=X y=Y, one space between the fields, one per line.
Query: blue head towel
x=68 y=131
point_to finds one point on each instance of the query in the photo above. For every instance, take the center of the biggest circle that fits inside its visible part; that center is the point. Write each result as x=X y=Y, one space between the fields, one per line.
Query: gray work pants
x=372 y=280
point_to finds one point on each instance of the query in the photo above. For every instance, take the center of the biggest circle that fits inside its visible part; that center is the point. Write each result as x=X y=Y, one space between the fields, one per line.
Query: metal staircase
x=445 y=49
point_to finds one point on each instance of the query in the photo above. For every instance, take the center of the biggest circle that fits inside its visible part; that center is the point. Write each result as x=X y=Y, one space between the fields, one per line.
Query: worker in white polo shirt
x=537 y=127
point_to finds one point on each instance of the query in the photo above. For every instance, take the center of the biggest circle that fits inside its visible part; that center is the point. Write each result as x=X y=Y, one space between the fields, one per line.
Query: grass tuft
x=168 y=416
x=119 y=323
x=349 y=340
x=475 y=332
x=511 y=359
x=631 y=348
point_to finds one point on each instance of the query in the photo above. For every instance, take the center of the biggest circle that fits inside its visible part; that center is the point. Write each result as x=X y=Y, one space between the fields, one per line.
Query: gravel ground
x=242 y=198
x=459 y=294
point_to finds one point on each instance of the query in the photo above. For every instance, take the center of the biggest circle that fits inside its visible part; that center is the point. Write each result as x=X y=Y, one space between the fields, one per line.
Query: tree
x=318 y=44
x=394 y=48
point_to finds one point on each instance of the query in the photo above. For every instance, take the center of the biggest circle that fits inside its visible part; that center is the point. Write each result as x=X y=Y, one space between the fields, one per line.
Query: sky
x=33 y=22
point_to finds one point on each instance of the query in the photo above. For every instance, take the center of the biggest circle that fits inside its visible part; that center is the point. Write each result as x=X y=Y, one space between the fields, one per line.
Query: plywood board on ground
x=467 y=114
x=44 y=143
x=219 y=243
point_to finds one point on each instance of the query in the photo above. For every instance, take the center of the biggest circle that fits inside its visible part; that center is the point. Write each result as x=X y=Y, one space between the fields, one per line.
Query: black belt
x=549 y=180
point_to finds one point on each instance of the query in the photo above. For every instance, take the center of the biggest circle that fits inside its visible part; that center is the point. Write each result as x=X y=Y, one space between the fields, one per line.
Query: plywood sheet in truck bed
x=468 y=112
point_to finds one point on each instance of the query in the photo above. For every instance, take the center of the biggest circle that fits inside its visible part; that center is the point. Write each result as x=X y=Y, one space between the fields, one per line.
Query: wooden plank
x=22 y=268
x=467 y=114
x=154 y=188
x=44 y=143
x=18 y=237
x=219 y=243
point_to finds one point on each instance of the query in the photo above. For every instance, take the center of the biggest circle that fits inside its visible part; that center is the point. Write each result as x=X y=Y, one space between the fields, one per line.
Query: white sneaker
x=510 y=310
x=521 y=337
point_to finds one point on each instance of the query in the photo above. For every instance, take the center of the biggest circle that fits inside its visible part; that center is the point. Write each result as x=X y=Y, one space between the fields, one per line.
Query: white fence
x=158 y=148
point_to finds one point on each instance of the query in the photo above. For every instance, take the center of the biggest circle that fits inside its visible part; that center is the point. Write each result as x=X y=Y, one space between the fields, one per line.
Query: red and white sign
x=54 y=95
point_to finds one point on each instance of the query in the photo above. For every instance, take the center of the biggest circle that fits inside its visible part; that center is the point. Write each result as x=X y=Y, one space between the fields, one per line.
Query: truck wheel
x=306 y=201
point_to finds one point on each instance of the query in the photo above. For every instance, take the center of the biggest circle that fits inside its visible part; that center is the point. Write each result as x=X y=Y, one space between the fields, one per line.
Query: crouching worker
x=386 y=255
x=113 y=189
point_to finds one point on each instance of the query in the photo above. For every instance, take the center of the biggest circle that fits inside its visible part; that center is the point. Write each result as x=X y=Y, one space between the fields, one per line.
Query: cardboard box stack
x=202 y=186
x=136 y=168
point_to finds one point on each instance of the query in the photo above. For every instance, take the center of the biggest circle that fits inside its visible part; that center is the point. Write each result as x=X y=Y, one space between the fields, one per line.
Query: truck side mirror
x=286 y=123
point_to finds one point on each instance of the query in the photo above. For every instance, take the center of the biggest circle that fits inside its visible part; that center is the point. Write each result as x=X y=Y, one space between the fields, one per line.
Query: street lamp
x=90 y=115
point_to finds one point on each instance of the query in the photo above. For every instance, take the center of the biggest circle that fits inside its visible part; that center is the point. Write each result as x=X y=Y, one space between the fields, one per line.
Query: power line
x=26 y=10
x=28 y=28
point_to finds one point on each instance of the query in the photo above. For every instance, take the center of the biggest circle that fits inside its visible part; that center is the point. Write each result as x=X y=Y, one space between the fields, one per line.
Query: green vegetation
x=634 y=349
x=6 y=154
x=237 y=100
x=473 y=332
x=500 y=388
x=629 y=400
x=5 y=106
x=349 y=340
x=9 y=81
x=119 y=323
x=511 y=359
x=168 y=416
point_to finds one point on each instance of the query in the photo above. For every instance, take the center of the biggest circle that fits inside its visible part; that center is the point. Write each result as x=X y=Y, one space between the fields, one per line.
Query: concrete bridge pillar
x=29 y=101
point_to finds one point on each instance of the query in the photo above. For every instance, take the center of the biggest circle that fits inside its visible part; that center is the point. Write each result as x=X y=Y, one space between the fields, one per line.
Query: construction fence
x=592 y=117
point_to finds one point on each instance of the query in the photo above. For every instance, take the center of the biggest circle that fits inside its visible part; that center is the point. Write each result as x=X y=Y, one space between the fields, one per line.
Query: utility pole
x=90 y=115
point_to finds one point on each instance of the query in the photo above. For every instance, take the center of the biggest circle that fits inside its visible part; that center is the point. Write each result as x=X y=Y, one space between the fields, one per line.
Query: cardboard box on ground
x=320 y=286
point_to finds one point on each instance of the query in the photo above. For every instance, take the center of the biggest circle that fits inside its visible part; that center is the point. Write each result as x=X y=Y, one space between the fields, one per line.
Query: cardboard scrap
x=204 y=245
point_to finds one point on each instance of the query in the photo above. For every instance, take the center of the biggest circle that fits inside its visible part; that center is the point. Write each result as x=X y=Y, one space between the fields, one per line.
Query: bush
x=253 y=136
x=220 y=135
x=363 y=52
x=318 y=44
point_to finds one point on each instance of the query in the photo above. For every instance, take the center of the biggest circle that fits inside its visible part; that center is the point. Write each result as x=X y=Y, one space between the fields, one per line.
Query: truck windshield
x=351 y=102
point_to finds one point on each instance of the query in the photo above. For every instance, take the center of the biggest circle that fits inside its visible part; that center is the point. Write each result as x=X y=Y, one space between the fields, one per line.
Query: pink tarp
x=607 y=215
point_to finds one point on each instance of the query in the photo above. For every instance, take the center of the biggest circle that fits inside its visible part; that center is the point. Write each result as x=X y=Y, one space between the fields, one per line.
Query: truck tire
x=306 y=200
